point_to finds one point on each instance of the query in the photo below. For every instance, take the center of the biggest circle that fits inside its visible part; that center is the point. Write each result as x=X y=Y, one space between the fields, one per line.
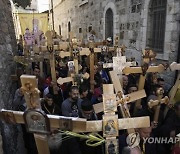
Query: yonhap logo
x=133 y=140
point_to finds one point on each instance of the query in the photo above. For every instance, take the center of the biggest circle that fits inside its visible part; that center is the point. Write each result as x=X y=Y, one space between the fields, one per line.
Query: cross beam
x=34 y=118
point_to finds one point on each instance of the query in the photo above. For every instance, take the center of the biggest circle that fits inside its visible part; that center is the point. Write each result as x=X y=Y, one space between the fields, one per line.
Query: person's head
x=152 y=78
x=49 y=99
x=132 y=88
x=36 y=71
x=27 y=30
x=100 y=66
x=125 y=81
x=87 y=109
x=160 y=82
x=144 y=132
x=83 y=90
x=177 y=109
x=155 y=88
x=95 y=69
x=74 y=93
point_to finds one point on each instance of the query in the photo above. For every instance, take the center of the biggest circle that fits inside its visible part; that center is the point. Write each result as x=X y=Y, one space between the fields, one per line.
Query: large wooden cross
x=143 y=70
x=41 y=125
x=173 y=67
x=122 y=100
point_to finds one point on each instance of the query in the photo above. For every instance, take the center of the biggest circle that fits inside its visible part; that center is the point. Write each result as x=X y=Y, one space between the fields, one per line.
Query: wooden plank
x=174 y=66
x=125 y=123
x=108 y=89
x=131 y=70
x=115 y=81
x=98 y=108
x=133 y=97
x=64 y=80
x=42 y=144
x=53 y=72
x=85 y=51
x=136 y=95
x=91 y=71
x=81 y=125
x=134 y=70
x=173 y=91
x=76 y=65
x=160 y=68
x=140 y=87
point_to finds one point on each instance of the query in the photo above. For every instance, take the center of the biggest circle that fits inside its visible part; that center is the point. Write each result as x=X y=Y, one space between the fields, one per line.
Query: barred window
x=156 y=25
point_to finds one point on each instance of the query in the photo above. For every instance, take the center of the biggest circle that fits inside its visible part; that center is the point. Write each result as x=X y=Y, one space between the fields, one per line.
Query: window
x=90 y=29
x=59 y=29
x=69 y=26
x=156 y=25
x=109 y=24
x=80 y=30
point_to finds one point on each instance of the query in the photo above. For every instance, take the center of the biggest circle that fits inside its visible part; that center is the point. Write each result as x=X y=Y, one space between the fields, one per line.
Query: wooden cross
x=122 y=99
x=93 y=49
x=41 y=124
x=119 y=63
x=143 y=70
x=148 y=55
x=172 y=94
x=92 y=45
x=174 y=66
x=50 y=49
x=44 y=52
x=157 y=103
x=79 y=51
x=75 y=52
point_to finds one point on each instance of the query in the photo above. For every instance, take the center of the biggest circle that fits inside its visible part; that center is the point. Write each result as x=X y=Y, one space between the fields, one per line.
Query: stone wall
x=130 y=19
x=8 y=45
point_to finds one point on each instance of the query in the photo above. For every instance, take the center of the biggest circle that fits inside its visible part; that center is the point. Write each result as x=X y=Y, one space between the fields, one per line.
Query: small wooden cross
x=174 y=66
x=148 y=55
x=157 y=103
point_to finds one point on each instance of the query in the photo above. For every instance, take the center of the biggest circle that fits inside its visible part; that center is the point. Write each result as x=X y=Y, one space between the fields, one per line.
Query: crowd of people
x=78 y=101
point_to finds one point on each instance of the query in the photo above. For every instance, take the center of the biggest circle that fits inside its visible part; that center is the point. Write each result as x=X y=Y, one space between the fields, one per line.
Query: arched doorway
x=109 y=24
x=69 y=26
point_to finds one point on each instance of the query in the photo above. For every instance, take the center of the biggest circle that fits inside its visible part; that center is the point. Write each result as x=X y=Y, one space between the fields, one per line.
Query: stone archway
x=110 y=9
x=109 y=28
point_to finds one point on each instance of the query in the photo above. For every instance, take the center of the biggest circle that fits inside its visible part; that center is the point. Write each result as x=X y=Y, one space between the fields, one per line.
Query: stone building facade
x=138 y=23
x=10 y=133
